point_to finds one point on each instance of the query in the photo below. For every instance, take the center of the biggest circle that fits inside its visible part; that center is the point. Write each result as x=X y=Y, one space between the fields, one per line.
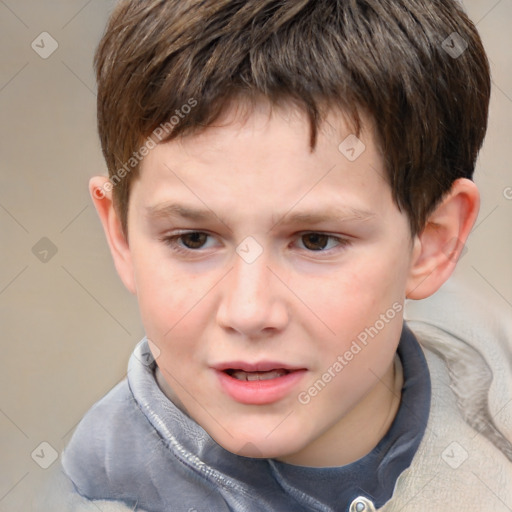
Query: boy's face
x=254 y=279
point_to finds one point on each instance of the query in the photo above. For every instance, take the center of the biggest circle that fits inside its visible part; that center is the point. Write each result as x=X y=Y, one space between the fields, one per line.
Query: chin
x=258 y=447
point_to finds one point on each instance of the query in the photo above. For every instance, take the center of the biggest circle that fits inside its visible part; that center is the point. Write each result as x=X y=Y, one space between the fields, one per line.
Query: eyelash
x=172 y=242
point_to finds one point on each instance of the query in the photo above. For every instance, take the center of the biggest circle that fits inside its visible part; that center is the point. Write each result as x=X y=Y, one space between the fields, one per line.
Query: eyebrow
x=338 y=213
x=165 y=210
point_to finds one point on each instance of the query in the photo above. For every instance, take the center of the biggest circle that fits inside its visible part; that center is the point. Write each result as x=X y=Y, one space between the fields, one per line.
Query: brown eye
x=315 y=241
x=193 y=240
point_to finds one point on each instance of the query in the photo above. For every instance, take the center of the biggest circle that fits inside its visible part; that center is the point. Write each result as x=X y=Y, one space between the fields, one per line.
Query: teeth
x=273 y=374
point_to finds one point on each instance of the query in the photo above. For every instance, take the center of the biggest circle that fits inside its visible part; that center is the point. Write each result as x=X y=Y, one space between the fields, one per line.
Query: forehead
x=287 y=120
x=260 y=157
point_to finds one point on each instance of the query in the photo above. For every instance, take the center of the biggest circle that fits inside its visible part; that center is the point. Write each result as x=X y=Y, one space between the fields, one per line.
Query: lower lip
x=259 y=392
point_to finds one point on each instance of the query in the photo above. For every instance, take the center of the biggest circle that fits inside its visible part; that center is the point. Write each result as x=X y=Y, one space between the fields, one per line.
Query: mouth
x=258 y=383
x=251 y=376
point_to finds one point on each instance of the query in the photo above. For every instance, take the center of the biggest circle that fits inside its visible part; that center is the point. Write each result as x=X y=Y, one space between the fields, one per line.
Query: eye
x=320 y=242
x=188 y=241
x=194 y=240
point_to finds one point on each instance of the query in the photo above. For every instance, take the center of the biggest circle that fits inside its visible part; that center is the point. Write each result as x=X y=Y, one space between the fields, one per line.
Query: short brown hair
x=387 y=59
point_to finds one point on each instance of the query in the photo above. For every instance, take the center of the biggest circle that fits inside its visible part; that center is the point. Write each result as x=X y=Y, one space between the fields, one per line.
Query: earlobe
x=100 y=190
x=439 y=246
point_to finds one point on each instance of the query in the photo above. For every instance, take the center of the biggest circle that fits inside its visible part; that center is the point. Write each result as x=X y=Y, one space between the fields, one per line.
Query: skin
x=293 y=304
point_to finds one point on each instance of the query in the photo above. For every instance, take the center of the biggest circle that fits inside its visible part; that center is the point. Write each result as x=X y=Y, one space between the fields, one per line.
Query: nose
x=253 y=300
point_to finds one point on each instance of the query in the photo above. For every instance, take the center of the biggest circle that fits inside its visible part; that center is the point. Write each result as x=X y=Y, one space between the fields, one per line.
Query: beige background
x=68 y=325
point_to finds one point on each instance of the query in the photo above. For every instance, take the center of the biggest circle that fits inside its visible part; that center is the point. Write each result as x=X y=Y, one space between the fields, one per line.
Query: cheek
x=168 y=297
x=380 y=274
x=353 y=298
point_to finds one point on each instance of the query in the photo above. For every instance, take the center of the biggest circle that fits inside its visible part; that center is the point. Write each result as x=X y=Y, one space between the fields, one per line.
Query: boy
x=283 y=175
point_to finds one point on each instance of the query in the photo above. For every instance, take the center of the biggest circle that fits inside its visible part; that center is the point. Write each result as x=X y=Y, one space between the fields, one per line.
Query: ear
x=439 y=246
x=100 y=189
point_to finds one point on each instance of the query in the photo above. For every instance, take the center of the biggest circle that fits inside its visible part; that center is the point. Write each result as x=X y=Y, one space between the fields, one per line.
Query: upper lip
x=260 y=366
